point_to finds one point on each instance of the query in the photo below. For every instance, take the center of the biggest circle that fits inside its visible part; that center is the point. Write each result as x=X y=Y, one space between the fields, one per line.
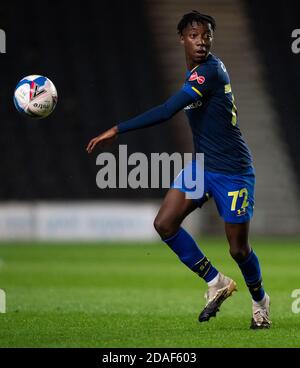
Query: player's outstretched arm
x=102 y=138
x=158 y=114
x=151 y=117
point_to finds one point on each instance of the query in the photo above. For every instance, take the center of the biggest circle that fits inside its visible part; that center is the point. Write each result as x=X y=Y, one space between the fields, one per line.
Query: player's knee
x=164 y=227
x=240 y=253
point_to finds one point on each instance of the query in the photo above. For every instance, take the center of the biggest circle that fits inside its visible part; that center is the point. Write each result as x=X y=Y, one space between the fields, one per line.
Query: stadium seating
x=260 y=120
x=102 y=64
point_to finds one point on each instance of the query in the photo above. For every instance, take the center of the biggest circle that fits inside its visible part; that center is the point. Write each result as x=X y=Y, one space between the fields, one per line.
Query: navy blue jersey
x=213 y=118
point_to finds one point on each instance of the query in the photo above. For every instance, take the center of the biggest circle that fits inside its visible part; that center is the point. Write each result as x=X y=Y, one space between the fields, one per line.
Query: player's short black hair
x=194 y=16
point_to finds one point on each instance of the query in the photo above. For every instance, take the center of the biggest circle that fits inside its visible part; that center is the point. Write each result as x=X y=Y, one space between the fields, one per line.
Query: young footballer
x=229 y=178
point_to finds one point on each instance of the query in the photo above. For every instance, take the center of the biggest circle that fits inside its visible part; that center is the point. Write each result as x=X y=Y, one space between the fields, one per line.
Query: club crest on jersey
x=199 y=78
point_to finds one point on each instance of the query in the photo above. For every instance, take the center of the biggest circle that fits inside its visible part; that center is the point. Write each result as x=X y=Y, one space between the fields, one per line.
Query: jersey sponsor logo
x=199 y=78
x=194 y=105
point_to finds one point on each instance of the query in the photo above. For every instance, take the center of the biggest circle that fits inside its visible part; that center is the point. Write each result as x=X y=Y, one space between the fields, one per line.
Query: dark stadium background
x=106 y=62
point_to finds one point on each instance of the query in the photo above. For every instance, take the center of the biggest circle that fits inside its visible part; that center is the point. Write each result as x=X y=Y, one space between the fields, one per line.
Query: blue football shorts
x=233 y=194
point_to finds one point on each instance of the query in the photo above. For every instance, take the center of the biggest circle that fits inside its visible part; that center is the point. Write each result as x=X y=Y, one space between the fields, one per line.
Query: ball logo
x=41 y=106
x=35 y=90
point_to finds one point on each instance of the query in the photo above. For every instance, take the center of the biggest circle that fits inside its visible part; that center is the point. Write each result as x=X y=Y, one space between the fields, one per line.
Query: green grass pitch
x=123 y=295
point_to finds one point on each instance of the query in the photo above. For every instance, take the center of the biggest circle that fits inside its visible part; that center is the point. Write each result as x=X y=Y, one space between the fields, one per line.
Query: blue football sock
x=188 y=252
x=251 y=271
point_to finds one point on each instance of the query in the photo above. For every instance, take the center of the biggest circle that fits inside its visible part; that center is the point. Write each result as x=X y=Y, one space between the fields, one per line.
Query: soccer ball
x=35 y=96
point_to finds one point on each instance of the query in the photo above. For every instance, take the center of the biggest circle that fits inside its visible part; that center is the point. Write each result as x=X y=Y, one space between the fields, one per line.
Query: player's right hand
x=102 y=138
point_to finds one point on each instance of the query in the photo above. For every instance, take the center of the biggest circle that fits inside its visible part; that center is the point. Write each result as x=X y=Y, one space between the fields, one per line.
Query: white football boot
x=216 y=295
x=260 y=313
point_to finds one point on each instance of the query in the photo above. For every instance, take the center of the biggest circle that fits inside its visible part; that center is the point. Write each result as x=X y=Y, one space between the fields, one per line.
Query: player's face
x=197 y=40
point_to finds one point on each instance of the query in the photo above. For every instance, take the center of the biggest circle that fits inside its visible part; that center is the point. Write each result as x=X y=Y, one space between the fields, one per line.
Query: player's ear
x=181 y=40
